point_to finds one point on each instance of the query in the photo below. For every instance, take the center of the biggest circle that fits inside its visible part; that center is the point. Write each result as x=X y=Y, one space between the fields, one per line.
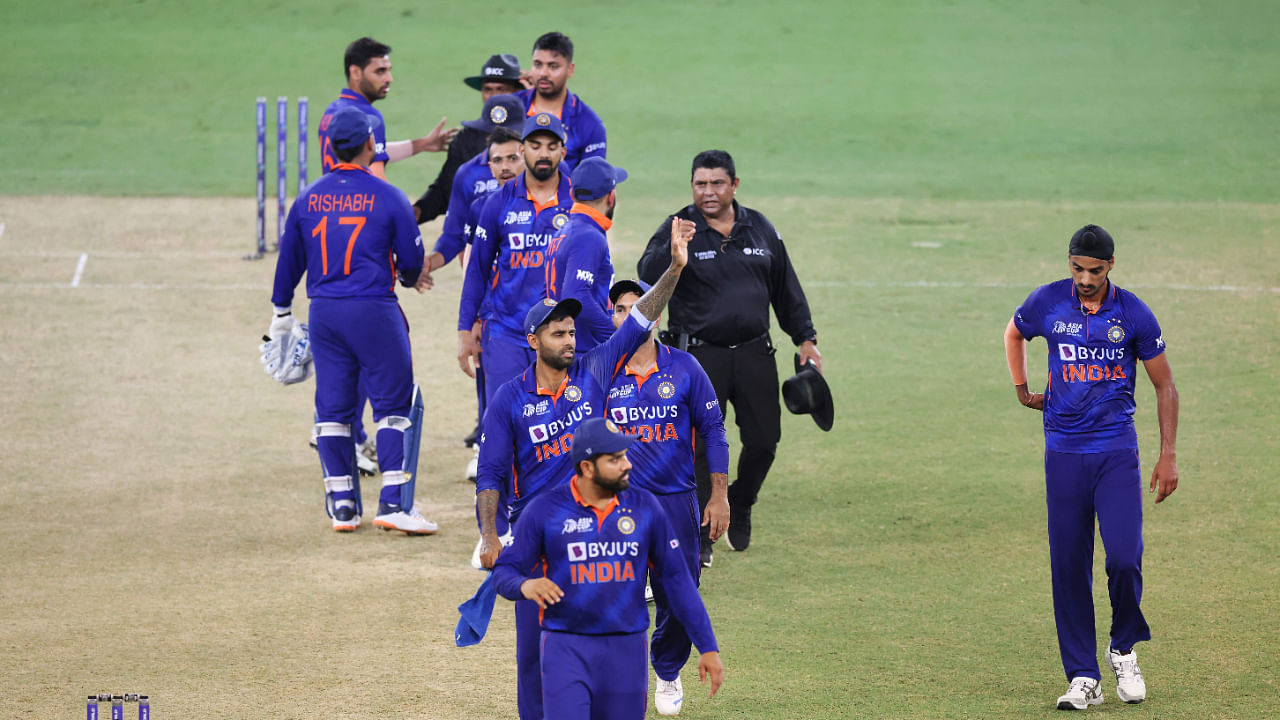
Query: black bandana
x=1092 y=241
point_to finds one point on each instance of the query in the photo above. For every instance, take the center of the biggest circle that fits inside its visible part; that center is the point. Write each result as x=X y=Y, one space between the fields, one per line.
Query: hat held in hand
x=806 y=393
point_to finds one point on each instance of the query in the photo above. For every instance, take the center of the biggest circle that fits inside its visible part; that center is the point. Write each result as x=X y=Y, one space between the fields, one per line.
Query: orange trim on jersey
x=533 y=110
x=641 y=377
x=351 y=166
x=537 y=206
x=600 y=514
x=558 y=392
x=515 y=480
x=600 y=218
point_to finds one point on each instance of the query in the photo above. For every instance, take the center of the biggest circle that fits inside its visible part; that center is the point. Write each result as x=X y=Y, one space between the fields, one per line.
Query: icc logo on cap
x=498 y=115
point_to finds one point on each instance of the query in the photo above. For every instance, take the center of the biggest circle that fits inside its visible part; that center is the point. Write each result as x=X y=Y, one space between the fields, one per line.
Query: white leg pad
x=393 y=478
x=342 y=483
x=395 y=422
x=330 y=429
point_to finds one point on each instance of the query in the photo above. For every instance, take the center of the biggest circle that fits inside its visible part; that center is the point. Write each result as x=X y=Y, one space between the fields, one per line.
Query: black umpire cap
x=502 y=68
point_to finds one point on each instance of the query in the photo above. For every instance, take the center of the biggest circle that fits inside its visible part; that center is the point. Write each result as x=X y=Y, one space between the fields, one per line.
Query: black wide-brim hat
x=806 y=392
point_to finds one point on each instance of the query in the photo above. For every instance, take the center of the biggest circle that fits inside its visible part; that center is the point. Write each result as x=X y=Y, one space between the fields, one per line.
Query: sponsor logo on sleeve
x=586 y=277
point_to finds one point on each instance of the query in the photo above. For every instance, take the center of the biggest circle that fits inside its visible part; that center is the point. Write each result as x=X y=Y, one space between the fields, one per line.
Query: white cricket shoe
x=1083 y=692
x=367 y=457
x=409 y=523
x=668 y=696
x=1130 y=686
x=473 y=466
x=648 y=593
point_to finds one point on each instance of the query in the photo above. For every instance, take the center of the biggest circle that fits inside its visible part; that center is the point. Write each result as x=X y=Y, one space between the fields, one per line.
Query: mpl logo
x=586 y=277
x=538 y=433
x=577 y=551
x=618 y=415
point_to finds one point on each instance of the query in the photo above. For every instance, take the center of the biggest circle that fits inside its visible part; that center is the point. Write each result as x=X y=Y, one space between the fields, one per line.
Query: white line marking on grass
x=75 y=279
x=926 y=244
x=15 y=252
x=1004 y=285
x=1 y=230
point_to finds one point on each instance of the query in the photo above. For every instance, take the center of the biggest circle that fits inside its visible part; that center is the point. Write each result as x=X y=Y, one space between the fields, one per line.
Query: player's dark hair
x=360 y=52
x=347 y=154
x=712 y=159
x=555 y=42
x=502 y=135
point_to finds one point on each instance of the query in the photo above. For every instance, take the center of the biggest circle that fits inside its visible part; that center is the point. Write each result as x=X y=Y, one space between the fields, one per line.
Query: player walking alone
x=1096 y=334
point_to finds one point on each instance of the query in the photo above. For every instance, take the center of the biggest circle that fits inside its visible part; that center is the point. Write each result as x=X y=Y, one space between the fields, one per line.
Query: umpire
x=737 y=268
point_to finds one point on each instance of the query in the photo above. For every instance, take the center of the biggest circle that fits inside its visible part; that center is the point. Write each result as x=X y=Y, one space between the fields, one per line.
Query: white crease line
x=137 y=286
x=75 y=279
x=14 y=252
x=1 y=230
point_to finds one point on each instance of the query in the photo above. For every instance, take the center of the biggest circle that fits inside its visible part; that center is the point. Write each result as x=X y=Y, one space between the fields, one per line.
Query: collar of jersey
x=600 y=514
x=352 y=166
x=740 y=217
x=1107 y=301
x=563 y=197
x=660 y=362
x=350 y=94
x=569 y=100
x=600 y=218
x=539 y=390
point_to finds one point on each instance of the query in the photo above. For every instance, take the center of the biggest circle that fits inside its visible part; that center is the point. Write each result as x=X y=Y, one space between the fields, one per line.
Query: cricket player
x=505 y=274
x=578 y=262
x=552 y=68
x=1097 y=333
x=367 y=66
x=581 y=553
x=662 y=399
x=529 y=424
x=351 y=233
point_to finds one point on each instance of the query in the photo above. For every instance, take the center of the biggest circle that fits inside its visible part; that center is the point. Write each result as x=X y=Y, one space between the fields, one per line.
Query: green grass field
x=163 y=527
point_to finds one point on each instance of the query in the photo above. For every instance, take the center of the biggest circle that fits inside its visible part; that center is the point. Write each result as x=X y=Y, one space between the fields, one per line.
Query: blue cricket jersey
x=578 y=266
x=527 y=430
x=349 y=232
x=585 y=131
x=662 y=409
x=349 y=97
x=473 y=180
x=1093 y=361
x=599 y=558
x=505 y=275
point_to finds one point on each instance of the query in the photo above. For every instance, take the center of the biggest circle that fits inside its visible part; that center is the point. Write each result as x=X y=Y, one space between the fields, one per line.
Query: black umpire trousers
x=745 y=376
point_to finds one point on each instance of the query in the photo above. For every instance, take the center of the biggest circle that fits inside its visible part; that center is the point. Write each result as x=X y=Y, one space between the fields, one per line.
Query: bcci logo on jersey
x=1115 y=334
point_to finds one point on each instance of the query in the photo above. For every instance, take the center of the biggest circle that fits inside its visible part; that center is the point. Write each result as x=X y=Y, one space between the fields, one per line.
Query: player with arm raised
x=351 y=234
x=1097 y=333
x=529 y=425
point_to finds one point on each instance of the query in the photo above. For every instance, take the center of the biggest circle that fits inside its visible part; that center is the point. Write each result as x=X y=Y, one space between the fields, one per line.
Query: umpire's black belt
x=693 y=342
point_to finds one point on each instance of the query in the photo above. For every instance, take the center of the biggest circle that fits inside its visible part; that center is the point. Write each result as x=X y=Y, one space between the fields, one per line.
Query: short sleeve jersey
x=1093 y=361
x=600 y=559
x=349 y=232
x=663 y=409
x=510 y=239
x=578 y=266
x=584 y=129
x=527 y=430
x=350 y=98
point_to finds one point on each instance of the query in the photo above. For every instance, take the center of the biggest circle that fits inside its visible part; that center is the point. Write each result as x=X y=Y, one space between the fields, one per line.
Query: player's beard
x=612 y=485
x=555 y=359
x=542 y=172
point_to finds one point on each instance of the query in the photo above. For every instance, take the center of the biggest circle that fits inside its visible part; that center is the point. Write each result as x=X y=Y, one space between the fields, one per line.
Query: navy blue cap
x=544 y=122
x=594 y=178
x=349 y=127
x=503 y=68
x=499 y=111
x=597 y=436
x=541 y=310
x=622 y=287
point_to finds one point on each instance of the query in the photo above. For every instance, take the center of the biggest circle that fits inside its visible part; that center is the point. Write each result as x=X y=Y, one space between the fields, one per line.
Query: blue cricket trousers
x=671 y=644
x=594 y=677
x=1078 y=487
x=505 y=354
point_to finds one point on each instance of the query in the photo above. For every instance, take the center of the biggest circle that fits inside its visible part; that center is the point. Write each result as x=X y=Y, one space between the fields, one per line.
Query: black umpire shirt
x=725 y=291
x=467 y=144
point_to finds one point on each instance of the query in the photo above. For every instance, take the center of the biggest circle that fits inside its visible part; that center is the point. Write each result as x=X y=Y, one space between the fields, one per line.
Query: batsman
x=350 y=233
